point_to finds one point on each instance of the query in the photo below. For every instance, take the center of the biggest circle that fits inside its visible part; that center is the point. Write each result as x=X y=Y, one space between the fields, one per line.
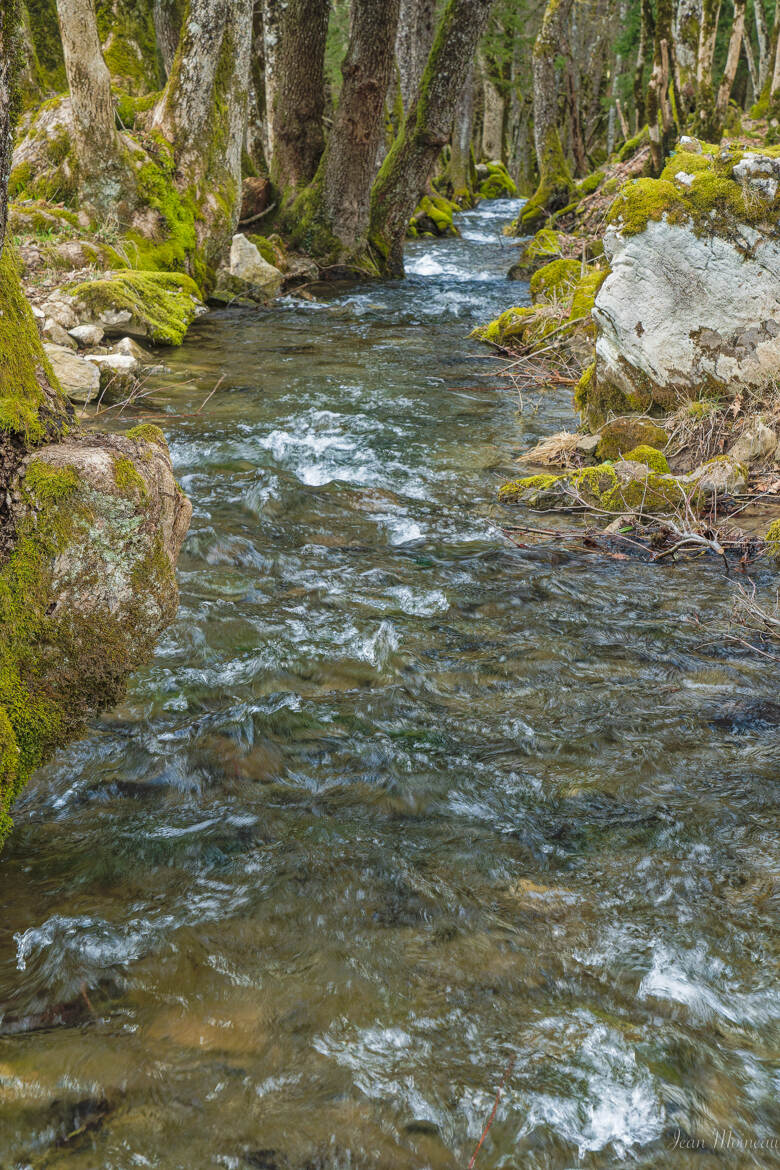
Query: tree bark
x=299 y=100
x=687 y=23
x=492 y=116
x=203 y=109
x=167 y=26
x=555 y=184
x=762 y=36
x=646 y=38
x=705 y=96
x=416 y=25
x=462 y=126
x=9 y=101
x=348 y=166
x=271 y=14
x=104 y=177
x=408 y=166
x=732 y=60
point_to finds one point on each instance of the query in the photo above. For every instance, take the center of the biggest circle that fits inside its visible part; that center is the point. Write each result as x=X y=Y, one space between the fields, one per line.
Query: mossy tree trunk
x=492 y=114
x=732 y=60
x=167 y=27
x=763 y=38
x=706 y=122
x=10 y=62
x=460 y=165
x=407 y=168
x=270 y=21
x=202 y=113
x=659 y=109
x=104 y=175
x=687 y=21
x=555 y=182
x=416 y=26
x=646 y=39
x=331 y=217
x=774 y=84
x=299 y=99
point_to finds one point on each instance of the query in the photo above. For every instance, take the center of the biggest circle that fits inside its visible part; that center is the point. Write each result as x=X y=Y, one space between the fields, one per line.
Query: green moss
x=24 y=408
x=498 y=184
x=589 y=184
x=555 y=279
x=434 y=216
x=601 y=488
x=164 y=302
x=772 y=540
x=554 y=191
x=515 y=323
x=584 y=295
x=713 y=203
x=147 y=433
x=129 y=481
x=623 y=435
x=632 y=145
x=650 y=456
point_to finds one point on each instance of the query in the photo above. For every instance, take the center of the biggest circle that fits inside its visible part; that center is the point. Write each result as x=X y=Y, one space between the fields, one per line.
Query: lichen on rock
x=87 y=588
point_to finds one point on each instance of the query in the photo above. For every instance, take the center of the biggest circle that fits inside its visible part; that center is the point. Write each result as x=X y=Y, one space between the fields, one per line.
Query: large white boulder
x=691 y=305
x=247 y=276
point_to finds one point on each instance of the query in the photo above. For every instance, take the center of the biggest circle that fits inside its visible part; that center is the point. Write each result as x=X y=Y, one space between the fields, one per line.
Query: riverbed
x=399 y=809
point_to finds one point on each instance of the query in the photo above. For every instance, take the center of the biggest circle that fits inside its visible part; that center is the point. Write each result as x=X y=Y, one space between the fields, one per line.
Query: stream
x=397 y=803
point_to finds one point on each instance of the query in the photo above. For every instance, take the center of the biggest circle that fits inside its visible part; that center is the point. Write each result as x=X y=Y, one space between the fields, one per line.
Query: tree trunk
x=706 y=122
x=202 y=112
x=271 y=18
x=732 y=59
x=754 y=87
x=687 y=23
x=348 y=165
x=10 y=59
x=416 y=25
x=555 y=184
x=167 y=26
x=762 y=36
x=408 y=166
x=492 y=117
x=774 y=88
x=658 y=89
x=646 y=38
x=299 y=100
x=104 y=177
x=460 y=157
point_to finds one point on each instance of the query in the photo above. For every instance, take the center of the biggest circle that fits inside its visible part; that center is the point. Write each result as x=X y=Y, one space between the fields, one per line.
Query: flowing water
x=397 y=801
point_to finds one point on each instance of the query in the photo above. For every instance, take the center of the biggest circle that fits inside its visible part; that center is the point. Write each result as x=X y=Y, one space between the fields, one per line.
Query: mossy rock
x=650 y=456
x=625 y=487
x=589 y=184
x=538 y=251
x=629 y=434
x=632 y=145
x=584 y=293
x=157 y=305
x=772 y=541
x=598 y=400
x=523 y=324
x=498 y=184
x=434 y=217
x=85 y=592
x=555 y=280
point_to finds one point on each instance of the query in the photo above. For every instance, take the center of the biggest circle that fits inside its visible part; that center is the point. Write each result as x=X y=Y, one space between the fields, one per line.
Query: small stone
x=755 y=443
x=248 y=275
x=132 y=349
x=61 y=311
x=121 y=363
x=719 y=476
x=87 y=335
x=79 y=379
x=684 y=178
x=53 y=331
x=691 y=145
x=587 y=444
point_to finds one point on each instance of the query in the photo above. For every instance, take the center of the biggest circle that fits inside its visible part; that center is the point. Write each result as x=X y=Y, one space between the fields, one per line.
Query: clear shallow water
x=396 y=801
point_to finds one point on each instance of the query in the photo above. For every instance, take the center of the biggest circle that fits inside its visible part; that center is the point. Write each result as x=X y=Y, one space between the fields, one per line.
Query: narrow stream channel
x=396 y=801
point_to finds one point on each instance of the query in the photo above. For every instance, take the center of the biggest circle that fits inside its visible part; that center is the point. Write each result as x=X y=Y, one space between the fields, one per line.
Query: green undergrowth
x=601 y=488
x=163 y=302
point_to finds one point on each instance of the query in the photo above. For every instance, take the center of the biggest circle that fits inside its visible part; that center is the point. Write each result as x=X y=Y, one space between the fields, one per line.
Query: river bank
x=396 y=799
